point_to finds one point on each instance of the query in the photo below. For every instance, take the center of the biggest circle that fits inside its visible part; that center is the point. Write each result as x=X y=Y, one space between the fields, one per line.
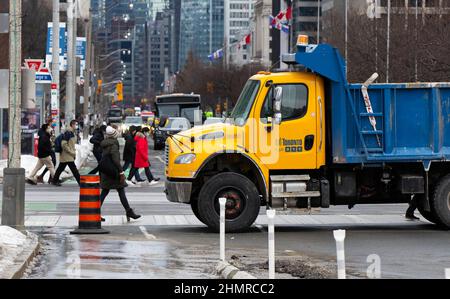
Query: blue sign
x=81 y=48
x=62 y=46
x=43 y=78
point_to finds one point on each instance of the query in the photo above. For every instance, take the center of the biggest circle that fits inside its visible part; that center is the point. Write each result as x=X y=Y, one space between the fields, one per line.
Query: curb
x=23 y=260
x=227 y=271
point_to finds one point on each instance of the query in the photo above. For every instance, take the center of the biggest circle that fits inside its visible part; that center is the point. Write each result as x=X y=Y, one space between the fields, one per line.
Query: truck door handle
x=309 y=142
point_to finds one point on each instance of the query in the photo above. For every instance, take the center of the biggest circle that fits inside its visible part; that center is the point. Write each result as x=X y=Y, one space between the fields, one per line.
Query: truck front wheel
x=440 y=205
x=242 y=206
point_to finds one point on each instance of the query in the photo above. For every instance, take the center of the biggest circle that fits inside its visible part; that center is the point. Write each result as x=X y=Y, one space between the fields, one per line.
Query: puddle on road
x=67 y=256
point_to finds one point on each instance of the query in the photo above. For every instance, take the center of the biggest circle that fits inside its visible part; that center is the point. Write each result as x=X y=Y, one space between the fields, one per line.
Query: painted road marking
x=146 y=234
x=260 y=223
x=160 y=159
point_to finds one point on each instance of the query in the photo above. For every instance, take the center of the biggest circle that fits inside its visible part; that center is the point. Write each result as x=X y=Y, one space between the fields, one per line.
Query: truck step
x=376 y=114
x=372 y=132
x=289 y=178
x=296 y=194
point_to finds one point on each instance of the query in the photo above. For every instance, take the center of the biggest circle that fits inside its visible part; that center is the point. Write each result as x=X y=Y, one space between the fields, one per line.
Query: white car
x=131 y=121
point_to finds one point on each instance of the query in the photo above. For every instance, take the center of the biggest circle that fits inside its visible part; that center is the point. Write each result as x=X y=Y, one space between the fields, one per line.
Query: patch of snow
x=11 y=245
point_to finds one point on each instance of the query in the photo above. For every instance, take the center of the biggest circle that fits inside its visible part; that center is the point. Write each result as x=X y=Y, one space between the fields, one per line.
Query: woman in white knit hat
x=110 y=147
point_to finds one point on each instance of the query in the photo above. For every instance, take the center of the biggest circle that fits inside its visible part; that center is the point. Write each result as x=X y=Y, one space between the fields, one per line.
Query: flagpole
x=388 y=39
x=210 y=27
x=346 y=38
x=318 y=21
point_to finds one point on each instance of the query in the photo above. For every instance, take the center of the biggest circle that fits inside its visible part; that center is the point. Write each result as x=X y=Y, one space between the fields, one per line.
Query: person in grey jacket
x=110 y=146
x=68 y=154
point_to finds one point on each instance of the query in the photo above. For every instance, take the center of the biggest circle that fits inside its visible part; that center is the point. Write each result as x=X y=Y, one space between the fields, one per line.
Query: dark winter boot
x=131 y=214
x=40 y=179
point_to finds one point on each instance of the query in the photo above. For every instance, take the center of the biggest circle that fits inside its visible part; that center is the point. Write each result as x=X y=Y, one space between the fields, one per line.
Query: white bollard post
x=271 y=229
x=339 y=236
x=447 y=273
x=222 y=202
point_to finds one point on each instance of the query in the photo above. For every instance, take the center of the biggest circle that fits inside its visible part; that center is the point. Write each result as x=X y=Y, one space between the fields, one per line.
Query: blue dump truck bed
x=409 y=122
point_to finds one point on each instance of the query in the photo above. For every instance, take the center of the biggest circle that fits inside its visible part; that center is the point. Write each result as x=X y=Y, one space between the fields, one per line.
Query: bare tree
x=214 y=82
x=423 y=43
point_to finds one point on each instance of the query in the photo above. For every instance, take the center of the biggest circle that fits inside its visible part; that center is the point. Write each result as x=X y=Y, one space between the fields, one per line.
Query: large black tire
x=194 y=207
x=243 y=202
x=440 y=205
x=428 y=215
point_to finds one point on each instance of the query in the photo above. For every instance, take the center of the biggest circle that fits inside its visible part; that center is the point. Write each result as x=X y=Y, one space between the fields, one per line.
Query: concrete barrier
x=227 y=271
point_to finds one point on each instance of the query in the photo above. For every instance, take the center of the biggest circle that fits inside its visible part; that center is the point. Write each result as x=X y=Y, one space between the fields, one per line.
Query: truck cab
x=305 y=139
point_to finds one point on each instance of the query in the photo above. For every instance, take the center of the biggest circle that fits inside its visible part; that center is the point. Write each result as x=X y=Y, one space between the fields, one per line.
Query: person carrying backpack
x=108 y=181
x=96 y=139
x=44 y=154
x=65 y=144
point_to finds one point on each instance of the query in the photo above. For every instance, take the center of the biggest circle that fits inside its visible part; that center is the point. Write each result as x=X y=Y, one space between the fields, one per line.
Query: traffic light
x=119 y=91
x=99 y=87
x=210 y=87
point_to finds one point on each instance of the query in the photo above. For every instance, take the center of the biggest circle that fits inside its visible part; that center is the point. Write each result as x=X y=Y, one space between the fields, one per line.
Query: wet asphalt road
x=165 y=250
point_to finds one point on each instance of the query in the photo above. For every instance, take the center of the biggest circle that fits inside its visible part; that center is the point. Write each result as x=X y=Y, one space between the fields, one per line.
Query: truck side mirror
x=277 y=104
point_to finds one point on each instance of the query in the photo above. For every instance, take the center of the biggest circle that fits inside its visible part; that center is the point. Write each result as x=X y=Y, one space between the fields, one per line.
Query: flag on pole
x=288 y=13
x=216 y=55
x=277 y=24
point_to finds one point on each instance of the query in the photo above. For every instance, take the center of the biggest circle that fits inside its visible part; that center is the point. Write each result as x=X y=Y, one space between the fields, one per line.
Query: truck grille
x=166 y=154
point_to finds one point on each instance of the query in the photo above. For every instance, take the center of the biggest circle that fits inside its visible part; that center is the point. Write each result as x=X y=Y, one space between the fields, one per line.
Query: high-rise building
x=238 y=14
x=159 y=63
x=305 y=19
x=201 y=27
x=122 y=28
x=261 y=36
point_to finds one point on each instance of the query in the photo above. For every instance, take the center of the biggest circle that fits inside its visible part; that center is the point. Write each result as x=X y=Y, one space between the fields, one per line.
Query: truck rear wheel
x=242 y=205
x=428 y=215
x=440 y=205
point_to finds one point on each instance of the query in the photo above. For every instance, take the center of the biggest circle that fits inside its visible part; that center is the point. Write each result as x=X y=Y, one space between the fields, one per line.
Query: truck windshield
x=245 y=102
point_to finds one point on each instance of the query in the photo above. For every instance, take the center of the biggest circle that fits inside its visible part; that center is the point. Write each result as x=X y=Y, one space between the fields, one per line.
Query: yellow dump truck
x=306 y=138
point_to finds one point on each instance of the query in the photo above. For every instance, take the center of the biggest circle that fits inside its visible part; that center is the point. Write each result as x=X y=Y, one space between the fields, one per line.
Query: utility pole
x=13 y=197
x=70 y=80
x=15 y=81
x=87 y=75
x=55 y=66
x=74 y=60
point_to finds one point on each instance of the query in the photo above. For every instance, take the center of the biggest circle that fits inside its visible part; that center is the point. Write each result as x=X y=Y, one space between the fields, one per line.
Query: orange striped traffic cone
x=89 y=219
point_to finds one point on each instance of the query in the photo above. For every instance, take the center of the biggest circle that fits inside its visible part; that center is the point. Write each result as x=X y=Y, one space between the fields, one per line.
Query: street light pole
x=55 y=64
x=87 y=75
x=70 y=80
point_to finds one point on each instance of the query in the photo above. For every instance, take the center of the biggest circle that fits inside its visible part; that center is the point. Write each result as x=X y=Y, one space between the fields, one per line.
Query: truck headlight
x=185 y=159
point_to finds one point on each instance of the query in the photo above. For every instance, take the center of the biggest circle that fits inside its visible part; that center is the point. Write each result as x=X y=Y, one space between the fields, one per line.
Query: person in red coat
x=141 y=157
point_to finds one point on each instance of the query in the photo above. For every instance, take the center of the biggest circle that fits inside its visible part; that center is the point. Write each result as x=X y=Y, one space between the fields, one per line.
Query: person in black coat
x=129 y=152
x=96 y=139
x=40 y=178
x=44 y=154
x=110 y=147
